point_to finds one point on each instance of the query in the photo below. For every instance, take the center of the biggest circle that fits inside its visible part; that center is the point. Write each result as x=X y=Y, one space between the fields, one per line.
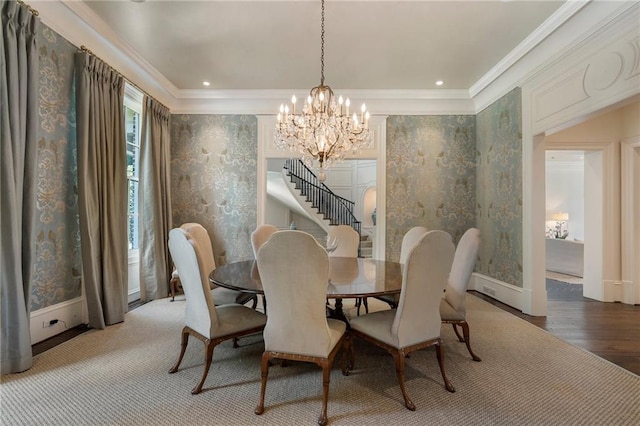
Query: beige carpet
x=118 y=376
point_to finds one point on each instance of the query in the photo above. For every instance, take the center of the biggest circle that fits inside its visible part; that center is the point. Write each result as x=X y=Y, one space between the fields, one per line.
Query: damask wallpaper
x=214 y=178
x=57 y=270
x=431 y=176
x=499 y=197
x=443 y=172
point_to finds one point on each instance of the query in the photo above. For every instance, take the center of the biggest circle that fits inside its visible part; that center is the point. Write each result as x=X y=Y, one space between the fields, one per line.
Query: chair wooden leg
x=235 y=342
x=210 y=345
x=265 y=372
x=362 y=301
x=447 y=383
x=172 y=288
x=365 y=303
x=398 y=357
x=183 y=348
x=465 y=331
x=347 y=356
x=326 y=377
x=455 y=328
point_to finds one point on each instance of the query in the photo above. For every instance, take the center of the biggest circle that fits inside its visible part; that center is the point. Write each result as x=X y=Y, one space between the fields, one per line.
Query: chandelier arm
x=329 y=152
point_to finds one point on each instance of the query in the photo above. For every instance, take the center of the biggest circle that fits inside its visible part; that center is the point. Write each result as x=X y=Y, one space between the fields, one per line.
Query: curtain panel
x=18 y=123
x=102 y=189
x=155 y=201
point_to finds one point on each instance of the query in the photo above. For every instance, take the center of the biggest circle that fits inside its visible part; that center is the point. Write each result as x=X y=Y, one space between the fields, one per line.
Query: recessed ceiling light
x=206 y=83
x=439 y=83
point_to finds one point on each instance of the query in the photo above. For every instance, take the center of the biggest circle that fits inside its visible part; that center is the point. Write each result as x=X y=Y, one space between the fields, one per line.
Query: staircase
x=331 y=207
x=366 y=246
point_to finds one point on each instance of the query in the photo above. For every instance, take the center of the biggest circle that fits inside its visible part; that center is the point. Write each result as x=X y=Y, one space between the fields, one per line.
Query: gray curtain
x=155 y=201
x=18 y=123
x=102 y=189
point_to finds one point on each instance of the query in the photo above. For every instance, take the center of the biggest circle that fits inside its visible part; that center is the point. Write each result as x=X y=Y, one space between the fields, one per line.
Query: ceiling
x=369 y=45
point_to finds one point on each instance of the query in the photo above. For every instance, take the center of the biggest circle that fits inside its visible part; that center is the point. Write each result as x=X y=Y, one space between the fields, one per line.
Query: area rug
x=119 y=376
x=569 y=279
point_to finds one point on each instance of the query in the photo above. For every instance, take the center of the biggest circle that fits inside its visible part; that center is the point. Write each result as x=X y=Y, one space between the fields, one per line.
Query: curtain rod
x=32 y=10
x=86 y=49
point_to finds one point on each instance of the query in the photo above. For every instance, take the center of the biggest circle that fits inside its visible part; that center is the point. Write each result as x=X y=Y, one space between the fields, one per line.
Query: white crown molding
x=80 y=25
x=75 y=21
x=285 y=94
x=556 y=47
x=379 y=102
x=566 y=11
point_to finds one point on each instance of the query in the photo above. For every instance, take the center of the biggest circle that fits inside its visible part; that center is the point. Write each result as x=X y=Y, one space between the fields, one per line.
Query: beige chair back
x=294 y=270
x=424 y=277
x=462 y=268
x=409 y=240
x=348 y=241
x=260 y=236
x=200 y=312
x=198 y=233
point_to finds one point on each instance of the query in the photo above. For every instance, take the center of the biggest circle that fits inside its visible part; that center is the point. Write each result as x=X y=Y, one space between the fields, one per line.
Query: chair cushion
x=226 y=296
x=377 y=325
x=336 y=329
x=447 y=313
x=236 y=318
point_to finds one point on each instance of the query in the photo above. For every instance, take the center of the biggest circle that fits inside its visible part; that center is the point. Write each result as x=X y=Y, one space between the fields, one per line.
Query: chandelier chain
x=323 y=130
x=322 y=47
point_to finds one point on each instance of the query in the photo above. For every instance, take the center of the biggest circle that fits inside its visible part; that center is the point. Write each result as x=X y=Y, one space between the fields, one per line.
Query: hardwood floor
x=609 y=330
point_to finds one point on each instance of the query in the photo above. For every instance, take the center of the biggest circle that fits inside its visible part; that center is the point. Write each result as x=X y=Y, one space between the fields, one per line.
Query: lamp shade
x=560 y=216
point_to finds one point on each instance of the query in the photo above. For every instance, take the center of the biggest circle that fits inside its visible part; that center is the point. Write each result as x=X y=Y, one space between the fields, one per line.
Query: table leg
x=337 y=312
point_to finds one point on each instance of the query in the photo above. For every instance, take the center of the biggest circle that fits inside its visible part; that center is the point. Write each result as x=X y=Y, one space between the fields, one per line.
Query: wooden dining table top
x=348 y=277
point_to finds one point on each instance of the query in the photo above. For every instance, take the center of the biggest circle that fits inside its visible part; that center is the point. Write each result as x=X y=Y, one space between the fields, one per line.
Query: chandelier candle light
x=323 y=130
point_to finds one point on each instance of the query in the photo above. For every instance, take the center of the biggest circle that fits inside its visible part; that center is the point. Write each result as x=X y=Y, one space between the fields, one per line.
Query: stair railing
x=334 y=208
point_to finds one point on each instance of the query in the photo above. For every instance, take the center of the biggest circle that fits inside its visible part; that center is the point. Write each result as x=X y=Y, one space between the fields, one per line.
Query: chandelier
x=324 y=131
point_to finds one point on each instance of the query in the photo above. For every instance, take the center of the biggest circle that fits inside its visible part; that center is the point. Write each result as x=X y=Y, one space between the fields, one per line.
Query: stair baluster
x=336 y=209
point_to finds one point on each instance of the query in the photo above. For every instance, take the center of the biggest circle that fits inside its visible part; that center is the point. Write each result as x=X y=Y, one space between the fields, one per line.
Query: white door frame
x=378 y=151
x=630 y=226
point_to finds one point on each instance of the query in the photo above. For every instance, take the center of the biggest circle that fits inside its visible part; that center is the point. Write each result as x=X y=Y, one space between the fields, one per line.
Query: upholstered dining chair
x=410 y=238
x=209 y=323
x=294 y=267
x=415 y=323
x=347 y=238
x=260 y=236
x=222 y=296
x=347 y=241
x=453 y=306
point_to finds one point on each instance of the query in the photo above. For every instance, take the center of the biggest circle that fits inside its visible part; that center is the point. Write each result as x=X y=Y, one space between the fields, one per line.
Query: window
x=132 y=128
x=132 y=122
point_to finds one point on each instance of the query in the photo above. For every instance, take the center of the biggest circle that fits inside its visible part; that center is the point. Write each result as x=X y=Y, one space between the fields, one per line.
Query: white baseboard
x=613 y=291
x=501 y=291
x=631 y=292
x=66 y=315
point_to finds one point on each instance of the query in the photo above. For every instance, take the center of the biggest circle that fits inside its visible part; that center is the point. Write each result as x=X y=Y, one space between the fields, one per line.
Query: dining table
x=348 y=278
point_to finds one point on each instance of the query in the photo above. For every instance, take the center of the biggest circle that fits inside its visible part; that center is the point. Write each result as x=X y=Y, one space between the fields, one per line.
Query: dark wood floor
x=609 y=330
